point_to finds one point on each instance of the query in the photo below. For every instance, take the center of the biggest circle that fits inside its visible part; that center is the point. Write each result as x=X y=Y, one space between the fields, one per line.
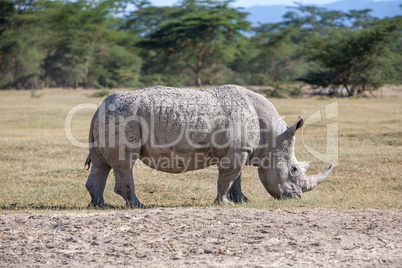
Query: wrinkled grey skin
x=229 y=126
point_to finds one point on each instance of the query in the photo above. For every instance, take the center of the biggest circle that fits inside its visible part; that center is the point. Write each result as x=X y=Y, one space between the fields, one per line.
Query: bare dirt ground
x=203 y=237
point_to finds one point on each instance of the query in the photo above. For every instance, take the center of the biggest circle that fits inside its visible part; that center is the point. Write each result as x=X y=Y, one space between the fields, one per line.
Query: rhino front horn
x=310 y=182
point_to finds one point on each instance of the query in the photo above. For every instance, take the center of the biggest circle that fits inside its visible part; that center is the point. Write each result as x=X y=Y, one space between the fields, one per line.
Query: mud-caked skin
x=178 y=130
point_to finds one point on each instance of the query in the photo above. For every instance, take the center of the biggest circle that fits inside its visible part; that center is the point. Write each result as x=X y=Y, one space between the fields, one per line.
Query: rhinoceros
x=177 y=130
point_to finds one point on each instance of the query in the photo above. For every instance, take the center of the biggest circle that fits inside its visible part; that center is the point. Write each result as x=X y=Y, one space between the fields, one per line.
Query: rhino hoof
x=94 y=205
x=135 y=205
x=238 y=199
x=225 y=200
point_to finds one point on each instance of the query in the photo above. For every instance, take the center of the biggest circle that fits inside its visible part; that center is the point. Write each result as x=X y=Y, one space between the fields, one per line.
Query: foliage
x=102 y=93
x=357 y=61
x=19 y=46
x=276 y=52
x=131 y=43
x=199 y=33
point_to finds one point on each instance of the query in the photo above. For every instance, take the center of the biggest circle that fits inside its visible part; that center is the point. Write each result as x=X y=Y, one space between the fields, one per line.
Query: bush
x=102 y=93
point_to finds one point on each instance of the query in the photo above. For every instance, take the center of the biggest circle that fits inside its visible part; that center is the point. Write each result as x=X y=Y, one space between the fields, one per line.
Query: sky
x=248 y=3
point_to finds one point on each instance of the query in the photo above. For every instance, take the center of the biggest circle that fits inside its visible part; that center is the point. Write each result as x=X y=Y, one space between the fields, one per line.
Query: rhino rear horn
x=304 y=165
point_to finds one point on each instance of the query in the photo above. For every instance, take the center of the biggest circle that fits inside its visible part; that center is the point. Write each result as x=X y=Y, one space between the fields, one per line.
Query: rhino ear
x=290 y=132
x=296 y=126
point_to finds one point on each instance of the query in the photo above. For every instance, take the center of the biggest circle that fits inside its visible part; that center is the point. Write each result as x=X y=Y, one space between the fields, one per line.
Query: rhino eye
x=294 y=170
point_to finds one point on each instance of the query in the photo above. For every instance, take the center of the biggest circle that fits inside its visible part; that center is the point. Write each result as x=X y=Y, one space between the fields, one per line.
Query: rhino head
x=285 y=177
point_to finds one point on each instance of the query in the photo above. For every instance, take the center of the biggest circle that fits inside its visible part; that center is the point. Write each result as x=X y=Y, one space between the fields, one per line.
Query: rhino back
x=189 y=123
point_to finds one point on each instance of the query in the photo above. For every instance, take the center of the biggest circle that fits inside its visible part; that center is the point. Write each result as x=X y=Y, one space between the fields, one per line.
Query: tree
x=276 y=50
x=357 y=60
x=311 y=20
x=145 y=18
x=199 y=30
x=20 y=49
x=77 y=28
x=114 y=66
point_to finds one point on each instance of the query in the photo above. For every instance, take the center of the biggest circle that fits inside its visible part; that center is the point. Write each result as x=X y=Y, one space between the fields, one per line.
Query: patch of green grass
x=104 y=92
x=34 y=94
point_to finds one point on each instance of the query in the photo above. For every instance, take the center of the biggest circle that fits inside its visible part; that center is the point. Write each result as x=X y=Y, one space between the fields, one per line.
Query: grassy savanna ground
x=42 y=170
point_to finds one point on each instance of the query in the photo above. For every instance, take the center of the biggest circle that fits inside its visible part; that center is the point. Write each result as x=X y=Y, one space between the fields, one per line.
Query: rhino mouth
x=292 y=192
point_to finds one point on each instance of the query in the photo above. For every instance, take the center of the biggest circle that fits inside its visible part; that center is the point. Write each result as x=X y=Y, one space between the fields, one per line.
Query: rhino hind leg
x=227 y=184
x=235 y=194
x=97 y=180
x=124 y=186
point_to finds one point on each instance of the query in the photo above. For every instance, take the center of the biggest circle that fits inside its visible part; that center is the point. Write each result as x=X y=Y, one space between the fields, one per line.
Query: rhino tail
x=91 y=141
x=88 y=162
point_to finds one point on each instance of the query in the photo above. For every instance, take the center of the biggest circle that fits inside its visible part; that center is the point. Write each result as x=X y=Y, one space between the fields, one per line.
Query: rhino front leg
x=97 y=180
x=124 y=186
x=235 y=194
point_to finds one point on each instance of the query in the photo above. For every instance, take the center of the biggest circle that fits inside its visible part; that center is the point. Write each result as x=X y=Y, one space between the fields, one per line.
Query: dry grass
x=41 y=170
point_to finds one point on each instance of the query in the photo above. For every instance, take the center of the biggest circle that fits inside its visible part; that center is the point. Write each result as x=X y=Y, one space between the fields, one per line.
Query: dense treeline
x=88 y=43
